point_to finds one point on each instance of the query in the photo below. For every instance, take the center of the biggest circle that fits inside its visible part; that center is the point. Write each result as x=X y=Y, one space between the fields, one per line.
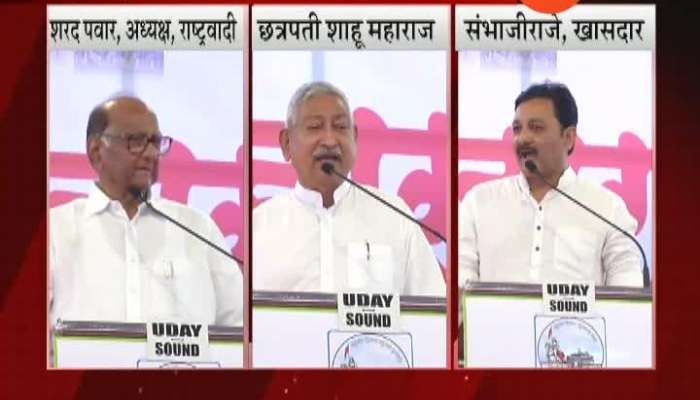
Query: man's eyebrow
x=313 y=116
x=535 y=120
x=139 y=132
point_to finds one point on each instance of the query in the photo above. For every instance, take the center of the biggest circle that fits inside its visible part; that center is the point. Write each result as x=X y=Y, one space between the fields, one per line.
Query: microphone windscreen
x=327 y=168
x=531 y=166
x=137 y=193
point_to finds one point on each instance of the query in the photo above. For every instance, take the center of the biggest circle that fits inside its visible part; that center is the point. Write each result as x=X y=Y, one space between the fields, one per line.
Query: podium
x=85 y=344
x=504 y=326
x=299 y=330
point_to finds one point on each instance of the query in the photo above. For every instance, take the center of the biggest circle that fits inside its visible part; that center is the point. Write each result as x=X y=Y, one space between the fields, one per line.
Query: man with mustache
x=326 y=235
x=516 y=229
x=114 y=259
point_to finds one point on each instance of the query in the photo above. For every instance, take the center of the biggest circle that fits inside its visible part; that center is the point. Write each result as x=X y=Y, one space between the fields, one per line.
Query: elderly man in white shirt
x=114 y=259
x=516 y=229
x=326 y=235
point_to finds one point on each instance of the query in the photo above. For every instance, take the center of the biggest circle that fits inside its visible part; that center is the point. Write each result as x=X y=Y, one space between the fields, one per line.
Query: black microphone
x=330 y=170
x=532 y=167
x=143 y=195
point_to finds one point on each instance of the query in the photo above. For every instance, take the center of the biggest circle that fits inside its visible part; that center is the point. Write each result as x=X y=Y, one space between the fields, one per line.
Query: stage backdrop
x=399 y=102
x=615 y=98
x=198 y=98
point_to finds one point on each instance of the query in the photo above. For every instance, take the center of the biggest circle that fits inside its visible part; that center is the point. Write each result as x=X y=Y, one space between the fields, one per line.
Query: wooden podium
x=504 y=326
x=299 y=330
x=84 y=344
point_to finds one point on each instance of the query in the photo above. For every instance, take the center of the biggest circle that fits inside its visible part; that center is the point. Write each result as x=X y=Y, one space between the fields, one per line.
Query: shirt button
x=540 y=208
x=537 y=248
x=539 y=227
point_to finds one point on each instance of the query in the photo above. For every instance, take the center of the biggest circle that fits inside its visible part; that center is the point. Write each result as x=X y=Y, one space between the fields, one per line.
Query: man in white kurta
x=516 y=229
x=507 y=236
x=107 y=267
x=299 y=245
x=113 y=259
x=325 y=235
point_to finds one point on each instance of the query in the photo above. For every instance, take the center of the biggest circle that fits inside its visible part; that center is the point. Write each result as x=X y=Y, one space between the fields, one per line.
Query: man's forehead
x=318 y=105
x=539 y=108
x=130 y=114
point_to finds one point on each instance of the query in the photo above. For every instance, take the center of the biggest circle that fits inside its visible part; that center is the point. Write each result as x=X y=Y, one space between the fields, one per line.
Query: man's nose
x=152 y=150
x=329 y=137
x=525 y=137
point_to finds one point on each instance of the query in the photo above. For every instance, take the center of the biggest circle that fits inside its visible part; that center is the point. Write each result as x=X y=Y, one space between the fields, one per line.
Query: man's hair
x=565 y=109
x=97 y=121
x=564 y=104
x=309 y=90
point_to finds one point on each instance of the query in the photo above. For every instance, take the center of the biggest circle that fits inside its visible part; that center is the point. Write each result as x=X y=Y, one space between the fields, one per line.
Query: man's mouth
x=527 y=153
x=327 y=157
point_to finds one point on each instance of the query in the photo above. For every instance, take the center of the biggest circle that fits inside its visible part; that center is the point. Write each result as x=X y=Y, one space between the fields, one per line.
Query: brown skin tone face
x=322 y=132
x=538 y=136
x=117 y=167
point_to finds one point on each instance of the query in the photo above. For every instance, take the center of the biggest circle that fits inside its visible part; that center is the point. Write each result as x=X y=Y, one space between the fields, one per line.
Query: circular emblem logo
x=570 y=343
x=369 y=350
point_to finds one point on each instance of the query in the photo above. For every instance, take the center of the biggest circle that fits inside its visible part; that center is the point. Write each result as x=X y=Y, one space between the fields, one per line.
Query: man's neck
x=328 y=200
x=539 y=189
x=327 y=193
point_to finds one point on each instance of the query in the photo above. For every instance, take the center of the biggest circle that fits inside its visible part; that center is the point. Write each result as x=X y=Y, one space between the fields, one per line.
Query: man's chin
x=321 y=182
x=142 y=184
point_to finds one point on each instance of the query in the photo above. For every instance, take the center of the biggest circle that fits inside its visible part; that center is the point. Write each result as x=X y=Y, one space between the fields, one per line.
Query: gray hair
x=309 y=90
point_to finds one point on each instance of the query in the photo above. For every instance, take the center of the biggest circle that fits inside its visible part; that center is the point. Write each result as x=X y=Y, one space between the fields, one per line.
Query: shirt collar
x=98 y=201
x=567 y=178
x=315 y=199
x=565 y=181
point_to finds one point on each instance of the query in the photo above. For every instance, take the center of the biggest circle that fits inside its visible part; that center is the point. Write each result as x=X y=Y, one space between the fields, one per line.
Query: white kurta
x=506 y=236
x=358 y=243
x=105 y=267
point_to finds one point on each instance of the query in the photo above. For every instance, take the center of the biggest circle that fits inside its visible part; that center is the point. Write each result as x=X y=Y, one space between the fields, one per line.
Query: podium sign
x=82 y=344
x=504 y=327
x=300 y=330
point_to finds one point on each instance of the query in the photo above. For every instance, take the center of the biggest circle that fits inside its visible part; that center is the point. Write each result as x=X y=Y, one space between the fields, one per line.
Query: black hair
x=565 y=109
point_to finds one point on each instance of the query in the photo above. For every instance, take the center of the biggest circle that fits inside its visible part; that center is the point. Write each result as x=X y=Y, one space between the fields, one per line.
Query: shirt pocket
x=371 y=266
x=576 y=254
x=183 y=290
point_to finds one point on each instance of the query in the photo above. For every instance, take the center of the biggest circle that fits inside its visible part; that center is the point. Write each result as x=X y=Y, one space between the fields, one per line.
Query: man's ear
x=93 y=151
x=354 y=129
x=570 y=138
x=284 y=143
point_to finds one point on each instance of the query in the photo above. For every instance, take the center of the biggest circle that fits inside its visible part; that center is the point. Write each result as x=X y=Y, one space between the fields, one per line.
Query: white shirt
x=105 y=267
x=358 y=243
x=506 y=236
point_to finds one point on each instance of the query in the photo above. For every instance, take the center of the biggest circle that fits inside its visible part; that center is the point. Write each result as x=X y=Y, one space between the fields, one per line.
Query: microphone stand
x=532 y=167
x=143 y=196
x=330 y=170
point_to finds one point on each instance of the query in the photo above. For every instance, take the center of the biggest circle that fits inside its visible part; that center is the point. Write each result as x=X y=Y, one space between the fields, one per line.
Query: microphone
x=532 y=167
x=144 y=195
x=330 y=170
